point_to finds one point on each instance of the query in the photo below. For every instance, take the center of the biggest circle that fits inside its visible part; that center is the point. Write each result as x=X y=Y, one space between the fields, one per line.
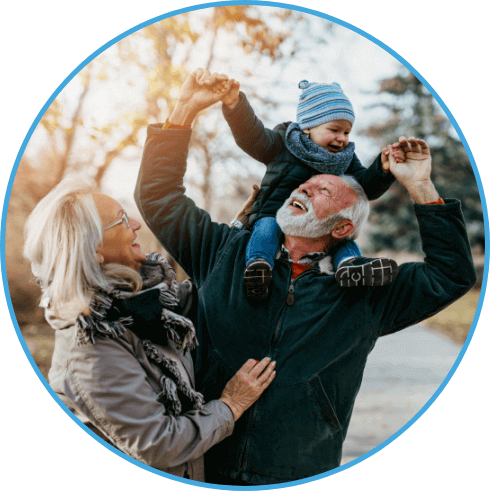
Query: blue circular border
x=200 y=7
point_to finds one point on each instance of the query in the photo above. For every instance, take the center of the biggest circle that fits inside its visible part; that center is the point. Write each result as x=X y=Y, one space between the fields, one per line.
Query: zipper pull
x=290 y=297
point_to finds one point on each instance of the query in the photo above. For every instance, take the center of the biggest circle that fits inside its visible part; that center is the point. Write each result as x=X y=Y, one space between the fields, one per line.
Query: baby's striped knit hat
x=320 y=103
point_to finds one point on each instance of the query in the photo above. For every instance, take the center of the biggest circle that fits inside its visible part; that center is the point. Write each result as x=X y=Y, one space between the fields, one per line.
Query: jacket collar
x=321 y=261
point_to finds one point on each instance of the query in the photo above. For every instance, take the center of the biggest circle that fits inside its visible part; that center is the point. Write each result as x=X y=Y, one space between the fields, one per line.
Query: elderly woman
x=121 y=361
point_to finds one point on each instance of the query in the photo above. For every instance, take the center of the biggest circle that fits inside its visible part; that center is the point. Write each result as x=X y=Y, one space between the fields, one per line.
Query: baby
x=318 y=143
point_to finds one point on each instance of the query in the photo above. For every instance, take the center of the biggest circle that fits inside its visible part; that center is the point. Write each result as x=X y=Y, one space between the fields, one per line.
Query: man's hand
x=410 y=162
x=196 y=90
x=196 y=94
x=246 y=209
x=229 y=90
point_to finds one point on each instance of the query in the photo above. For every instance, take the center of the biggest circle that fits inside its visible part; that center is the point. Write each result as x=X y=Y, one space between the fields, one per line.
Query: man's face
x=333 y=136
x=307 y=212
x=328 y=195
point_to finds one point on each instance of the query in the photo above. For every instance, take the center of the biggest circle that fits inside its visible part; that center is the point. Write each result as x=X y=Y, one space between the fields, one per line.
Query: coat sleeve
x=447 y=273
x=107 y=384
x=250 y=134
x=186 y=232
x=373 y=180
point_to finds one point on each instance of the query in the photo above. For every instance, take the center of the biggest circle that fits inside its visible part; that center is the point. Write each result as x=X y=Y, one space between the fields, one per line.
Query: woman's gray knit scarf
x=156 y=274
x=315 y=156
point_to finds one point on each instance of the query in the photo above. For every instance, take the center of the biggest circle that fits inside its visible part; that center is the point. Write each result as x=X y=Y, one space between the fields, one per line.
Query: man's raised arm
x=447 y=273
x=184 y=230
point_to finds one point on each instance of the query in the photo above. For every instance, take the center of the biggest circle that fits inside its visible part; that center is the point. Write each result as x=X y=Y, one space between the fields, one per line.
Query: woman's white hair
x=61 y=237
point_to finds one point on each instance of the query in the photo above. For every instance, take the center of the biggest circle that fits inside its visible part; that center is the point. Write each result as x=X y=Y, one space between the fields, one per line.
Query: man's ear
x=343 y=229
x=307 y=131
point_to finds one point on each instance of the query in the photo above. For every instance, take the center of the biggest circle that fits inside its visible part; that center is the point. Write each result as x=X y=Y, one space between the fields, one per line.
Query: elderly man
x=319 y=334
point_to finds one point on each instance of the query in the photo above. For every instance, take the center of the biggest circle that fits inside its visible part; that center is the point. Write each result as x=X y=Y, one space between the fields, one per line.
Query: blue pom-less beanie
x=320 y=103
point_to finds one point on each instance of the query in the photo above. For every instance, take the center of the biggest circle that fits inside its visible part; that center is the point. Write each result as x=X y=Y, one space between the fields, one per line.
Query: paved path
x=403 y=372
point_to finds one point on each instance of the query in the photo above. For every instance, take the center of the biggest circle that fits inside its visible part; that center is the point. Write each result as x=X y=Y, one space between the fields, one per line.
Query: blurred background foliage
x=413 y=111
x=95 y=129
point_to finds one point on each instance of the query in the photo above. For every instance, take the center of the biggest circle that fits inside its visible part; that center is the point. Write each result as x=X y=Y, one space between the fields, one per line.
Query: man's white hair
x=61 y=237
x=358 y=213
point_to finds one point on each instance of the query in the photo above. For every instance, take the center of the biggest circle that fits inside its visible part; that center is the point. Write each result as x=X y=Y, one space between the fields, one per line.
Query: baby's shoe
x=366 y=271
x=258 y=275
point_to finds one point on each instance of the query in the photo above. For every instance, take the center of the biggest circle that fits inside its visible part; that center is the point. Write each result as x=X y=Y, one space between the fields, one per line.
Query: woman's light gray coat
x=113 y=388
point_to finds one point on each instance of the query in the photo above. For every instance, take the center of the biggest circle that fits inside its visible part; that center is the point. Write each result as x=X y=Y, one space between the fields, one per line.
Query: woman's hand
x=247 y=385
x=246 y=209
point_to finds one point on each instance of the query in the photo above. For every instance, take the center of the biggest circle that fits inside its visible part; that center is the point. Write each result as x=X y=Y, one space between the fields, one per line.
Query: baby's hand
x=232 y=93
x=400 y=149
x=385 y=163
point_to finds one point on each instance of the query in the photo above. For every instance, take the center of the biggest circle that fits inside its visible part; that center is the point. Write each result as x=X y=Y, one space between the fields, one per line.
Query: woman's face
x=119 y=241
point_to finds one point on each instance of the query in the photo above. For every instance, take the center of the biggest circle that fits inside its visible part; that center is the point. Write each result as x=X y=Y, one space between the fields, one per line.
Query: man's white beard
x=305 y=225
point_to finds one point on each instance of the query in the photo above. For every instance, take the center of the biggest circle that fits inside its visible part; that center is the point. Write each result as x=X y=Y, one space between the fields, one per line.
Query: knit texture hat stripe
x=325 y=109
x=326 y=100
x=337 y=113
x=335 y=116
x=320 y=103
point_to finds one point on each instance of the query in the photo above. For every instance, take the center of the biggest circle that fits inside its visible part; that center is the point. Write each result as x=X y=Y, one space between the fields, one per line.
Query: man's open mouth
x=296 y=203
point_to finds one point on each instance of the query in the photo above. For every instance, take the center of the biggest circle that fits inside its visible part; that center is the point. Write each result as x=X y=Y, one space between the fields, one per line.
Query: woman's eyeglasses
x=124 y=218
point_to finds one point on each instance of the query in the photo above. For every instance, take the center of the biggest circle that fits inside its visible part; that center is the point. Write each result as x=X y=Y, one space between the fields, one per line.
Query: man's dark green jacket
x=320 y=342
x=285 y=172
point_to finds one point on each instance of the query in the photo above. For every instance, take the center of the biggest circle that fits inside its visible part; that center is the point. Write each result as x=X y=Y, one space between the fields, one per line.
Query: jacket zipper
x=290 y=296
x=289 y=301
x=252 y=410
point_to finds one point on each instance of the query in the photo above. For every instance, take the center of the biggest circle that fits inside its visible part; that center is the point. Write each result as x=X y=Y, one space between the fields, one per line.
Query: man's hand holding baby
x=200 y=90
x=227 y=89
x=410 y=163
